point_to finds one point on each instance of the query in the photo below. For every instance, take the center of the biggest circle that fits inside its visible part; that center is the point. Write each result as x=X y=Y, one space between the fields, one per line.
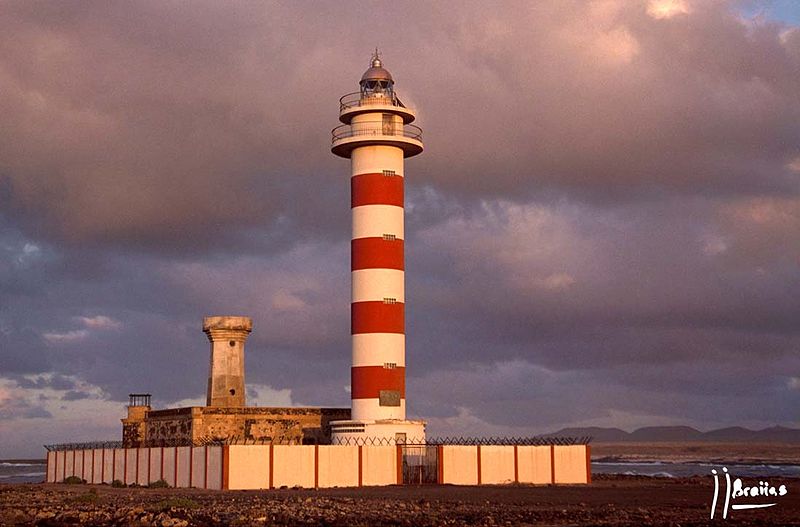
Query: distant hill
x=651 y=434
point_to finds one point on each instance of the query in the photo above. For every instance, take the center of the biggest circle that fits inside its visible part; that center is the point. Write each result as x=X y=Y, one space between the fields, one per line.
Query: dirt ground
x=609 y=500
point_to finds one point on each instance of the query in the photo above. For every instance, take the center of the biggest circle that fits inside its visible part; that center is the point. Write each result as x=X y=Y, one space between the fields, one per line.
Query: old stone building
x=226 y=416
x=197 y=425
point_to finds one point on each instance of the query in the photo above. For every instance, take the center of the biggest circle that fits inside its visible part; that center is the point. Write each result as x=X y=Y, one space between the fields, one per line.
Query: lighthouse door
x=420 y=464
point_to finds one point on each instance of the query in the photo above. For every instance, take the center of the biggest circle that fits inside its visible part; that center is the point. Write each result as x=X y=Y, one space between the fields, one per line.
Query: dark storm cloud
x=607 y=207
x=147 y=124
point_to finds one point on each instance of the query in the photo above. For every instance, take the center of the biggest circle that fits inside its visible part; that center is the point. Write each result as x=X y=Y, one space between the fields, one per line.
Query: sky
x=604 y=228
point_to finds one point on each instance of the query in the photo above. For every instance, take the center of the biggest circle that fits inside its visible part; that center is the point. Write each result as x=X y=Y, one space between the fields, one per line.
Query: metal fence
x=487 y=441
x=90 y=445
x=347 y=441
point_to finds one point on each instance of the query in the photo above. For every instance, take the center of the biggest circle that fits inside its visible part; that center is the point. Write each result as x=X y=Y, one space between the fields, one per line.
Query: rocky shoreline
x=609 y=500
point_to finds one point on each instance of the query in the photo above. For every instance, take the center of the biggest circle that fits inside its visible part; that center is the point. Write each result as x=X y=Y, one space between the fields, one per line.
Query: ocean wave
x=7 y=464
x=648 y=475
x=622 y=462
x=22 y=475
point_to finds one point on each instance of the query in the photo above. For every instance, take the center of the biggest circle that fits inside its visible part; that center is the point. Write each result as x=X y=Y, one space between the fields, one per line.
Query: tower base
x=383 y=432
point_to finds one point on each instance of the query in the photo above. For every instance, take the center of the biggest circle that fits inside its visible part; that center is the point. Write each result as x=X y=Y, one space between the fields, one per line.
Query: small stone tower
x=226 y=372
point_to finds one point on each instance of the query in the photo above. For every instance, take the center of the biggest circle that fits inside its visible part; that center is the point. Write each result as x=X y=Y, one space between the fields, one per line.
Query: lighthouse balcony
x=357 y=103
x=347 y=137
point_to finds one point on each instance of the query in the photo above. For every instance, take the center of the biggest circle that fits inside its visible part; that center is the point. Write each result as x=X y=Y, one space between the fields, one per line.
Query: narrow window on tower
x=389 y=237
x=389 y=173
x=388 y=124
x=389 y=300
x=389 y=365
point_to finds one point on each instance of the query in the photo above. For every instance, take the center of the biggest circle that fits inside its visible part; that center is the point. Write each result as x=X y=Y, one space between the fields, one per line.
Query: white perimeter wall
x=265 y=466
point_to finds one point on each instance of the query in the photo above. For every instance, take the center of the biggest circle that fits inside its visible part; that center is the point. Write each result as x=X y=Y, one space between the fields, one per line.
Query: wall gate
x=420 y=464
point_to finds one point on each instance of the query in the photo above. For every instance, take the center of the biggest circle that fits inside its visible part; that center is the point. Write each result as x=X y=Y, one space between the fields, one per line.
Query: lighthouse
x=376 y=136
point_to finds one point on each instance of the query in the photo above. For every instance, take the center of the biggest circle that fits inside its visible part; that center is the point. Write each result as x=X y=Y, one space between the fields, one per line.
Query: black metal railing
x=139 y=399
x=357 y=99
x=376 y=128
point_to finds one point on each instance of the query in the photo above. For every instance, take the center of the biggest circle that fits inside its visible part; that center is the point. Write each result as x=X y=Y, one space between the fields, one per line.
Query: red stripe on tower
x=376 y=253
x=368 y=381
x=376 y=189
x=376 y=317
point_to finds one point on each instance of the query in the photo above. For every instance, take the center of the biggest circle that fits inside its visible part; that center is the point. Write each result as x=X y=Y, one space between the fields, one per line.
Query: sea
x=665 y=469
x=22 y=470
x=33 y=470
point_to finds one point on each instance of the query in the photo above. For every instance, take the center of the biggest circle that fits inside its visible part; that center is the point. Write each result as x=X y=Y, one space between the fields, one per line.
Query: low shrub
x=74 y=480
x=160 y=484
x=117 y=484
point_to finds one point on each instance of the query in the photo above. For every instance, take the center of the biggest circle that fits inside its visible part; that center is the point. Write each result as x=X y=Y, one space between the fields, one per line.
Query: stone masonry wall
x=257 y=424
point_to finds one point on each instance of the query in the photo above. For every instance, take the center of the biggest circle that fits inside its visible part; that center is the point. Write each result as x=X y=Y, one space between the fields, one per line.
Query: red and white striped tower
x=376 y=136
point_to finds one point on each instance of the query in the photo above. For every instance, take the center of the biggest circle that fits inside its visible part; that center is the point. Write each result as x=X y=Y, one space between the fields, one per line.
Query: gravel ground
x=609 y=500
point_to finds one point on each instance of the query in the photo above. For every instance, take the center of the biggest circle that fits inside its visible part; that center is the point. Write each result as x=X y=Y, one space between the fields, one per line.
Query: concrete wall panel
x=460 y=465
x=183 y=457
x=77 y=470
x=154 y=464
x=214 y=468
x=69 y=465
x=83 y=464
x=534 y=464
x=96 y=475
x=89 y=463
x=56 y=466
x=378 y=465
x=118 y=456
x=77 y=463
x=169 y=465
x=50 y=476
x=497 y=465
x=338 y=466
x=248 y=467
x=199 y=467
x=106 y=461
x=130 y=466
x=570 y=464
x=293 y=466
x=142 y=465
x=61 y=462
